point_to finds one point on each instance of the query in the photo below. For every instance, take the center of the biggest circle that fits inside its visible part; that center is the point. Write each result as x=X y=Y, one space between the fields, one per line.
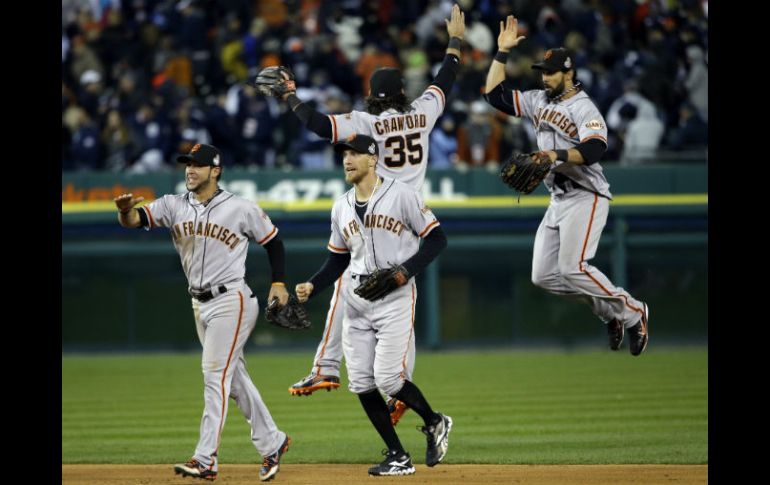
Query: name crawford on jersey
x=379 y=221
x=210 y=229
x=399 y=123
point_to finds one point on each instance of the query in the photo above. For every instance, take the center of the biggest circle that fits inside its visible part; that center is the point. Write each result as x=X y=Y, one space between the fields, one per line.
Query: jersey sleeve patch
x=595 y=125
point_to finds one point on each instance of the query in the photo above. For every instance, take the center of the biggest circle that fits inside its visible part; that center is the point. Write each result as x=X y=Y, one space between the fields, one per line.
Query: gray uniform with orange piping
x=569 y=233
x=377 y=335
x=212 y=241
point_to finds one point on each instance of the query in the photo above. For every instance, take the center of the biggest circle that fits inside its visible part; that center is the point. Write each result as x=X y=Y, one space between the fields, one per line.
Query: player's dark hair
x=376 y=106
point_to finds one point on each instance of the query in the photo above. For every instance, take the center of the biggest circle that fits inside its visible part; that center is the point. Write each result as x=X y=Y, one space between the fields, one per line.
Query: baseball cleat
x=312 y=383
x=615 y=333
x=638 y=335
x=271 y=464
x=438 y=440
x=195 y=469
x=396 y=409
x=395 y=463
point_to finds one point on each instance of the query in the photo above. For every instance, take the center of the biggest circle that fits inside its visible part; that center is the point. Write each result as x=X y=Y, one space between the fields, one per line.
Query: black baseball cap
x=559 y=59
x=201 y=154
x=358 y=143
x=386 y=82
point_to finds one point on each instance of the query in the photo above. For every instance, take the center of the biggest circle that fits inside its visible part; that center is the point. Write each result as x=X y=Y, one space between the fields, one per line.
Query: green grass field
x=513 y=407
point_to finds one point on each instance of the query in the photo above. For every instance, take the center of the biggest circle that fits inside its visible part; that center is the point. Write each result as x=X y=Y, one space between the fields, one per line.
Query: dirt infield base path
x=292 y=474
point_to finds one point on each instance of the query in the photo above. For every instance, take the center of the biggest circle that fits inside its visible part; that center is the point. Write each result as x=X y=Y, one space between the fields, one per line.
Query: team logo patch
x=595 y=125
x=216 y=160
x=425 y=210
x=348 y=116
x=371 y=148
x=567 y=63
x=351 y=137
x=196 y=148
x=548 y=54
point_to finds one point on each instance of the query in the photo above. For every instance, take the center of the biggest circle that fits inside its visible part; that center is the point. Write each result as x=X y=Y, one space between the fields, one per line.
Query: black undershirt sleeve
x=433 y=244
x=332 y=269
x=592 y=150
x=501 y=97
x=447 y=73
x=277 y=257
x=312 y=119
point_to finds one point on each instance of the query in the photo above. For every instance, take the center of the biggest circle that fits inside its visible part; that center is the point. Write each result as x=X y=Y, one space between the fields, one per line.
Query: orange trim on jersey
x=329 y=326
x=440 y=92
x=517 y=103
x=582 y=259
x=269 y=236
x=149 y=215
x=429 y=228
x=334 y=128
x=224 y=373
x=411 y=332
x=594 y=136
x=336 y=249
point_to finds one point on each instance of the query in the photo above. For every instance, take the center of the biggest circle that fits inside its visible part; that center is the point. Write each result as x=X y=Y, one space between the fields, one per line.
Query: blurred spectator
x=478 y=139
x=691 y=131
x=118 y=142
x=642 y=135
x=85 y=139
x=697 y=82
x=443 y=144
x=372 y=59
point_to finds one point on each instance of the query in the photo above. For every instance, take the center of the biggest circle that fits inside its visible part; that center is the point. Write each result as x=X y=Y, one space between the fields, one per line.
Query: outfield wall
x=124 y=289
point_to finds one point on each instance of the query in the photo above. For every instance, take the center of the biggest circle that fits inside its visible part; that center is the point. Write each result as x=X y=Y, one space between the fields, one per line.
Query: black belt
x=208 y=294
x=360 y=277
x=566 y=184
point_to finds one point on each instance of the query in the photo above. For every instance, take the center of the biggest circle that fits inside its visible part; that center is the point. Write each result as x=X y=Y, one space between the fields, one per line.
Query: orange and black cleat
x=312 y=383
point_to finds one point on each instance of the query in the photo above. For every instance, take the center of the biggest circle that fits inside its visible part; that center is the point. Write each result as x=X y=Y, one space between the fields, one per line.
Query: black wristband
x=455 y=43
x=293 y=101
x=501 y=56
x=562 y=155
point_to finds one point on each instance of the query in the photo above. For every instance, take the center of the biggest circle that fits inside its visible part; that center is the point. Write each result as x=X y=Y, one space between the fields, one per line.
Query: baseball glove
x=292 y=315
x=525 y=171
x=275 y=81
x=382 y=282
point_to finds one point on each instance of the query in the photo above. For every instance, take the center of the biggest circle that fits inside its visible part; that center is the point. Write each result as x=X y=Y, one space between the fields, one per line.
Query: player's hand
x=509 y=34
x=125 y=202
x=278 y=291
x=303 y=291
x=455 y=26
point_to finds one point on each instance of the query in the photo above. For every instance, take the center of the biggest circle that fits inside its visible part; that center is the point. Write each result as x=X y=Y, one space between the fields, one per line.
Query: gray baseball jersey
x=563 y=125
x=212 y=240
x=403 y=138
x=395 y=219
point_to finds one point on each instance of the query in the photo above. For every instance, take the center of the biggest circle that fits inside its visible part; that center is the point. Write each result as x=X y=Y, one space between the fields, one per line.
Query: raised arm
x=508 y=39
x=455 y=27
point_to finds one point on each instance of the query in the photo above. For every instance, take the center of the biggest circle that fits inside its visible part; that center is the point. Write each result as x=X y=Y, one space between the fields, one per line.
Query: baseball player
x=210 y=229
x=572 y=132
x=401 y=131
x=378 y=224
